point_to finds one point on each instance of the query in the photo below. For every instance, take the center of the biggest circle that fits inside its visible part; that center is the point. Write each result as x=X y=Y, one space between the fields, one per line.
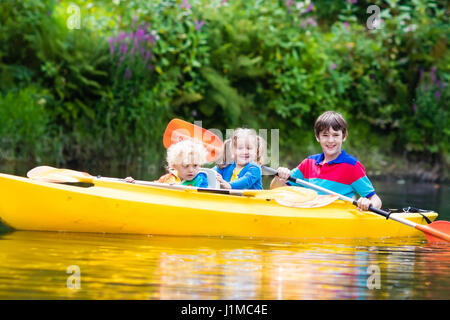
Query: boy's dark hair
x=330 y=119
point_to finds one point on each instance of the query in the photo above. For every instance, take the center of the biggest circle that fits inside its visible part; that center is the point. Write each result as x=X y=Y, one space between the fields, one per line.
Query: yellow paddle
x=286 y=196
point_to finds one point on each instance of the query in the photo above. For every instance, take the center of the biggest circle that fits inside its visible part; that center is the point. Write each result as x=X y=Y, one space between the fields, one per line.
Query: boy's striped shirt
x=344 y=175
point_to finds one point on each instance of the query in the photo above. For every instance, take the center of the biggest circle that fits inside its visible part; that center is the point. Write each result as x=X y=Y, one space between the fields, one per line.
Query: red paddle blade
x=178 y=130
x=438 y=231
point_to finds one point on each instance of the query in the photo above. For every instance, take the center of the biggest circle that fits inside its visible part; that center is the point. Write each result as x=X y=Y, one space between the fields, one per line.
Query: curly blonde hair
x=186 y=152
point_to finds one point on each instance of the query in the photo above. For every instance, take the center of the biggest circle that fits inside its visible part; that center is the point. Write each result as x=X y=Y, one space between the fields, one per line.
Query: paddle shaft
x=178 y=187
x=353 y=201
x=55 y=175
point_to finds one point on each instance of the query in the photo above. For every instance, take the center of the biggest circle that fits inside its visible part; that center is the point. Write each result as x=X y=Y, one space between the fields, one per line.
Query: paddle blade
x=178 y=130
x=319 y=201
x=55 y=175
x=438 y=231
x=295 y=194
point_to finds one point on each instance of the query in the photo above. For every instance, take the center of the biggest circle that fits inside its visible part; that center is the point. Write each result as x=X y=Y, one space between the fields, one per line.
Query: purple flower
x=111 y=45
x=289 y=3
x=433 y=70
x=414 y=107
x=127 y=74
x=355 y=1
x=122 y=36
x=308 y=22
x=185 y=5
x=422 y=72
x=437 y=94
x=140 y=33
x=151 y=39
x=346 y=25
x=199 y=25
x=309 y=9
x=194 y=113
x=372 y=76
x=333 y=66
x=147 y=56
x=124 y=49
x=438 y=83
x=432 y=76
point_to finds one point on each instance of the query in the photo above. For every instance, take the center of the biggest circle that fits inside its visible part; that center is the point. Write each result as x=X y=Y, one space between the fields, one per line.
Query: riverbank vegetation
x=84 y=83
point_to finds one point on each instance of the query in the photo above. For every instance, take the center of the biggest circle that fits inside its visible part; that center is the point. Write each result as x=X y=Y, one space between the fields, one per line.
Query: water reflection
x=33 y=265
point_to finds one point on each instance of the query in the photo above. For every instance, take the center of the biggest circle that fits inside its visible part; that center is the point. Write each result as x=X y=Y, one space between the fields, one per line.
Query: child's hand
x=129 y=180
x=363 y=204
x=283 y=174
x=225 y=185
x=219 y=177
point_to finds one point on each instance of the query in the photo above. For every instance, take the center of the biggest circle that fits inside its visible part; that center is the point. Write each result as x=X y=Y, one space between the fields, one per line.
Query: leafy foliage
x=133 y=65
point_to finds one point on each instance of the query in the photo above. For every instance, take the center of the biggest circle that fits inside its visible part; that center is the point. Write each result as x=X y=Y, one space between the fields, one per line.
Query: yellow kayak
x=117 y=207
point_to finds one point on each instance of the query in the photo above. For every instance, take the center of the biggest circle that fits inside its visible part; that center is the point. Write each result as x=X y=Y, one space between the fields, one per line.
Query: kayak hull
x=115 y=207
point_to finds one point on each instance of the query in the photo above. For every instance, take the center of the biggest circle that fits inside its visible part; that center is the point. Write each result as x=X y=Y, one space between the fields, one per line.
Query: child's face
x=187 y=171
x=245 y=151
x=331 y=142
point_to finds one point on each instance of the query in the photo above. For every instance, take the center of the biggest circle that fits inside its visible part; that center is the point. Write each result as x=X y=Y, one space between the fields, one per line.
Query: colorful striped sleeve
x=361 y=183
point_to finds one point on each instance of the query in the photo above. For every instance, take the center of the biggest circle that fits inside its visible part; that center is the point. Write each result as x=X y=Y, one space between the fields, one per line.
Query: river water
x=51 y=265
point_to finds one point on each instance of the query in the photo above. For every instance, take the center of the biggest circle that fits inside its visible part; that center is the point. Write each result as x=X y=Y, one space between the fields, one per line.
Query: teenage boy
x=332 y=169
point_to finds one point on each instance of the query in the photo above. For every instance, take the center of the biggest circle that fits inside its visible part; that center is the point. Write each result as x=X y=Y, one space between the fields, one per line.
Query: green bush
x=263 y=64
x=24 y=124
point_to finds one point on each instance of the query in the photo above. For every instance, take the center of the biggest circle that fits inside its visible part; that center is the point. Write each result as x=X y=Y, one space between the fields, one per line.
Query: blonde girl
x=242 y=157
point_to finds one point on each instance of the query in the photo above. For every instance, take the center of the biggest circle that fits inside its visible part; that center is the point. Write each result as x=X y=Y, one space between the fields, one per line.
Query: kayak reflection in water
x=240 y=168
x=184 y=161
